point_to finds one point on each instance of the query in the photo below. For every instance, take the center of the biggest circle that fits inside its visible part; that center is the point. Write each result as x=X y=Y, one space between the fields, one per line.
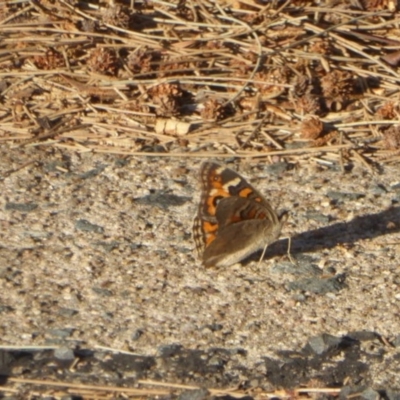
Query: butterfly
x=234 y=220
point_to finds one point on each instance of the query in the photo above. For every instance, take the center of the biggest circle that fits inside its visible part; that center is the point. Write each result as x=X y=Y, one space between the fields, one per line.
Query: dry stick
x=370 y=27
x=27 y=348
x=122 y=111
x=278 y=10
x=354 y=47
x=9 y=389
x=164 y=3
x=145 y=134
x=254 y=132
x=53 y=132
x=325 y=149
x=345 y=12
x=319 y=34
x=133 y=391
x=318 y=390
x=187 y=24
x=193 y=8
x=374 y=74
x=341 y=162
x=374 y=38
x=143 y=37
x=272 y=140
x=18 y=13
x=31 y=117
x=259 y=55
x=23 y=136
x=351 y=67
x=78 y=386
x=39 y=9
x=330 y=57
x=17 y=83
x=195 y=80
x=203 y=130
x=208 y=16
x=360 y=158
x=395 y=159
x=357 y=155
x=364 y=123
x=232 y=392
x=92 y=90
x=65 y=31
x=116 y=350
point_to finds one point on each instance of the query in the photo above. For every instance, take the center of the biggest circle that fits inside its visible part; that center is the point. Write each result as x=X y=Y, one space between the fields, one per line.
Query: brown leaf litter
x=101 y=74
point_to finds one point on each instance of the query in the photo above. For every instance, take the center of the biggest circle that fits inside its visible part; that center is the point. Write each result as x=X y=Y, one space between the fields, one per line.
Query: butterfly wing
x=235 y=242
x=229 y=205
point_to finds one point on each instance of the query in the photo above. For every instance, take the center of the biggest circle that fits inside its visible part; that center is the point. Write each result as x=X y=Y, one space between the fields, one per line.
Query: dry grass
x=222 y=78
x=34 y=388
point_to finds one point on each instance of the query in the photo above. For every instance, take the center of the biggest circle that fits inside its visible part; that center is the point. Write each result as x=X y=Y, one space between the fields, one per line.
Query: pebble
x=322 y=343
x=22 y=207
x=61 y=333
x=86 y=226
x=197 y=394
x=64 y=354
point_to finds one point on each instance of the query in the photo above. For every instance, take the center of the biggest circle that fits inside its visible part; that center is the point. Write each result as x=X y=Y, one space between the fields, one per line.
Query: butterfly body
x=234 y=220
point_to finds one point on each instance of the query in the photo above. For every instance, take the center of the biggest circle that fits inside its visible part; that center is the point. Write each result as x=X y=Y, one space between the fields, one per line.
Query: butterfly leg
x=288 y=249
x=262 y=255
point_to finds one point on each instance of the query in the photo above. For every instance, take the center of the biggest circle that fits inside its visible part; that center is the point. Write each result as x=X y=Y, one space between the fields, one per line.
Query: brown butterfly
x=234 y=220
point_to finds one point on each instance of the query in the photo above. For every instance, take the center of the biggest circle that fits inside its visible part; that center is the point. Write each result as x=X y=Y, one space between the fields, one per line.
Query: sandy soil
x=96 y=250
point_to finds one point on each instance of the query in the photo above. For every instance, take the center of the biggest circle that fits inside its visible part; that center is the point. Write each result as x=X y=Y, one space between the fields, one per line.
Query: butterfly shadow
x=368 y=226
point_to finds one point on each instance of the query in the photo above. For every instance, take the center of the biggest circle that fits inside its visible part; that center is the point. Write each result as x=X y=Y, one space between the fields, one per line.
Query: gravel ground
x=96 y=251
